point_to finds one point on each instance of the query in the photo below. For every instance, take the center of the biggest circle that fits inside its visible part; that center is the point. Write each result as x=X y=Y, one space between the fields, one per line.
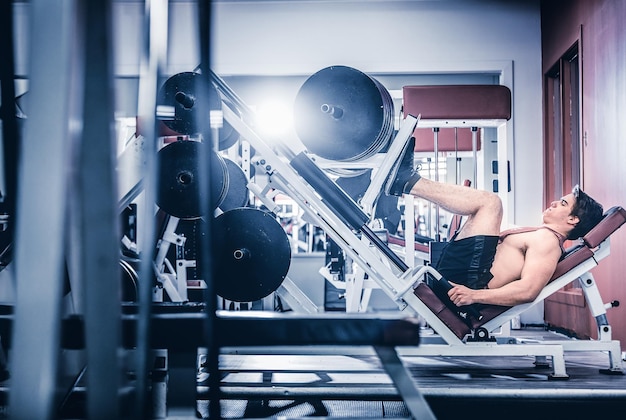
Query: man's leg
x=484 y=209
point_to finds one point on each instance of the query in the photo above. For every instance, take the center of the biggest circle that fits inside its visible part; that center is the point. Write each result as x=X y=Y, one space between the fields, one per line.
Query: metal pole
x=98 y=216
x=457 y=159
x=475 y=154
x=212 y=340
x=39 y=231
x=436 y=149
x=152 y=62
x=10 y=133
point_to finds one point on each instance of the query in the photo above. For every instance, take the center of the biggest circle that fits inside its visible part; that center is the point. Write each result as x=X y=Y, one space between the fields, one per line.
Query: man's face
x=560 y=210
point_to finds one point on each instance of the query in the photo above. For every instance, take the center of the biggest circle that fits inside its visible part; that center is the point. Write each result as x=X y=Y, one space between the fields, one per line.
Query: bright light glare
x=273 y=118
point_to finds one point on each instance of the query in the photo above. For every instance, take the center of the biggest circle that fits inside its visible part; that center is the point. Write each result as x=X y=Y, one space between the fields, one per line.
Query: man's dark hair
x=588 y=211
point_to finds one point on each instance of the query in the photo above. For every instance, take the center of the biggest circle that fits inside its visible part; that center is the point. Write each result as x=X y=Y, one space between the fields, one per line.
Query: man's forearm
x=508 y=295
x=511 y=294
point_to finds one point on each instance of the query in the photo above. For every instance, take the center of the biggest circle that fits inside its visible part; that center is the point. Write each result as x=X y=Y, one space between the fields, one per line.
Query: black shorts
x=468 y=261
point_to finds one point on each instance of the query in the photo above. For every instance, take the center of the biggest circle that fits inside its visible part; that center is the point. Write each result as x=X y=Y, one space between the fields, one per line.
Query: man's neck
x=564 y=231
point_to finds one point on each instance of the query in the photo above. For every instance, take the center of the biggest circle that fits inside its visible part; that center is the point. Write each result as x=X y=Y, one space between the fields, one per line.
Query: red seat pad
x=448 y=317
x=458 y=102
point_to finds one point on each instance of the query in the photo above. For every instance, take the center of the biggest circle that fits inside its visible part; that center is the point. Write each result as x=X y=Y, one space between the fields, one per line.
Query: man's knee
x=493 y=204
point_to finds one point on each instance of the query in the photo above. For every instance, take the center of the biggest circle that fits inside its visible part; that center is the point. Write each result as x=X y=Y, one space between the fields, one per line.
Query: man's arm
x=541 y=258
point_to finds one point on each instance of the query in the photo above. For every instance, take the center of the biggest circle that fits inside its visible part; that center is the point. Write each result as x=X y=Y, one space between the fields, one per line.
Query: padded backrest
x=445 y=102
x=571 y=260
x=612 y=220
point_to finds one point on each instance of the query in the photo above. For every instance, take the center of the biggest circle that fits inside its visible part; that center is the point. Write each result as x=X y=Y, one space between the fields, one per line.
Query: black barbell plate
x=253 y=256
x=342 y=114
x=237 y=194
x=180 y=93
x=178 y=189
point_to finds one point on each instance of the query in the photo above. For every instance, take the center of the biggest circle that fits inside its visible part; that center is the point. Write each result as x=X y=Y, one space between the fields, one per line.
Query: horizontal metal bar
x=183 y=331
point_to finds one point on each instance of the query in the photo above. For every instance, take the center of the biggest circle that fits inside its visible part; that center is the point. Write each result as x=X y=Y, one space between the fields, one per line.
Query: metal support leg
x=159 y=376
x=413 y=398
x=177 y=292
x=295 y=298
x=409 y=230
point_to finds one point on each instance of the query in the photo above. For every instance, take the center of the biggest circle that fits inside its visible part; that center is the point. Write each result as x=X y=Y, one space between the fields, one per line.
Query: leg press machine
x=346 y=223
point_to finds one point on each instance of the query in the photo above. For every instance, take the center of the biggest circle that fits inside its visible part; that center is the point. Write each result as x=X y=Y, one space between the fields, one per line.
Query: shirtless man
x=484 y=265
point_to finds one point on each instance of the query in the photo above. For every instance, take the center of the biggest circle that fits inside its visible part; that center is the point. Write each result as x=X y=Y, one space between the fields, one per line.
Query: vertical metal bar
x=204 y=25
x=429 y=215
x=10 y=140
x=98 y=216
x=153 y=55
x=10 y=134
x=42 y=206
x=457 y=159
x=436 y=150
x=475 y=154
x=409 y=230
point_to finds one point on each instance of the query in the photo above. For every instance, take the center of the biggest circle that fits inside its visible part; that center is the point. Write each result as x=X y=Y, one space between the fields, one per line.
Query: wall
x=603 y=110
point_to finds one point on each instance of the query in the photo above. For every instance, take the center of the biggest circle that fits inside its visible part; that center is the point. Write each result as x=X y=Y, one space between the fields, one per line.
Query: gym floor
x=356 y=386
x=351 y=383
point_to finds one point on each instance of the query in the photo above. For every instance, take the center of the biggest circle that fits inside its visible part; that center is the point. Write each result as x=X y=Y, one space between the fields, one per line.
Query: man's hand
x=461 y=295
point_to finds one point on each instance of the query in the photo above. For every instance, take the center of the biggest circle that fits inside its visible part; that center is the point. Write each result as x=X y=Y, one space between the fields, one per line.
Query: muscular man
x=484 y=265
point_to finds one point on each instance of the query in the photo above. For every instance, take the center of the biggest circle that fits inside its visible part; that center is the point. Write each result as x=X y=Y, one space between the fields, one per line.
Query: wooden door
x=566 y=309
